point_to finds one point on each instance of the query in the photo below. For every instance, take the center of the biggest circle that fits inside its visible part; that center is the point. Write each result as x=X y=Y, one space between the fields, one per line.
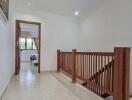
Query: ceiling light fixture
x=76 y=13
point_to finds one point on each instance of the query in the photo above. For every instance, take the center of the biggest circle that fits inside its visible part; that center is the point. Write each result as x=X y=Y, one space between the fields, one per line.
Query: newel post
x=121 y=73
x=58 y=60
x=74 y=65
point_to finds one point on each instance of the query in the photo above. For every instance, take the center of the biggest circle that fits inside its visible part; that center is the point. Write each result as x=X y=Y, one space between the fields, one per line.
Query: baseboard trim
x=4 y=90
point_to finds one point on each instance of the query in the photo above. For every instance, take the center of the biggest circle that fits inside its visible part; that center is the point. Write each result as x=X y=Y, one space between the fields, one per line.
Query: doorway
x=28 y=37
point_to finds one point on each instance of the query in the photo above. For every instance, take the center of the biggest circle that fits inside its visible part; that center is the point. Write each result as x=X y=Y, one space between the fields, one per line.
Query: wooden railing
x=65 y=61
x=95 y=69
x=104 y=73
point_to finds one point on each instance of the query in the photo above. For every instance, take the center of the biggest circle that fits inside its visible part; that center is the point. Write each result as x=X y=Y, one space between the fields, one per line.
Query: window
x=27 y=44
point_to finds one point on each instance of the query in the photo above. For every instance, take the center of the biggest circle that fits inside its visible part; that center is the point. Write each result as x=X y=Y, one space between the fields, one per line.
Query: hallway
x=46 y=86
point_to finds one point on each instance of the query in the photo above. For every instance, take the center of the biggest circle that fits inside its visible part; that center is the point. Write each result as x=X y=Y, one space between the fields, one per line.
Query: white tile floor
x=47 y=86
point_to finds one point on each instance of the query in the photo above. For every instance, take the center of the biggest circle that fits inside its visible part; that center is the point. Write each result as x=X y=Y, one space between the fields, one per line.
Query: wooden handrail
x=97 y=53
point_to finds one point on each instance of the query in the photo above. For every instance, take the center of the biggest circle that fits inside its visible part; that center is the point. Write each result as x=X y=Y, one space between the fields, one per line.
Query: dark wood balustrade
x=104 y=73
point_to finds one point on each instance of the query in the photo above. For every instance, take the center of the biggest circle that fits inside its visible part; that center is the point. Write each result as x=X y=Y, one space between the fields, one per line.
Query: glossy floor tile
x=30 y=85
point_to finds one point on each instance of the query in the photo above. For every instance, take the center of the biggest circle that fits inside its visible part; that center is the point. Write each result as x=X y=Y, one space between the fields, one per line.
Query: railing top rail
x=92 y=53
x=64 y=52
x=97 y=53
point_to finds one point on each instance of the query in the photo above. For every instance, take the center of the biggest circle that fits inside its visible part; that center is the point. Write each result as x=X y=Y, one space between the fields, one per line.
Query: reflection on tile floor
x=30 y=85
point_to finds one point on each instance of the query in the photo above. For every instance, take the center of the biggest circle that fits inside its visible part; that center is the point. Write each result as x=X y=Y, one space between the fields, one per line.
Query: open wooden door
x=17 y=49
x=17 y=58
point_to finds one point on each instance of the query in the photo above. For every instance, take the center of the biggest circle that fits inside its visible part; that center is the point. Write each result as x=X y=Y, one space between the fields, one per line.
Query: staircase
x=98 y=74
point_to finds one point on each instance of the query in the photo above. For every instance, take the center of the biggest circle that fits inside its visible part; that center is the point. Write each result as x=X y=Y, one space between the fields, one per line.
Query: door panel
x=18 y=30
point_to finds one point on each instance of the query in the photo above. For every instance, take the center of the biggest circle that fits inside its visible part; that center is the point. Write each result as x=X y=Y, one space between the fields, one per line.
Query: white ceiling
x=62 y=7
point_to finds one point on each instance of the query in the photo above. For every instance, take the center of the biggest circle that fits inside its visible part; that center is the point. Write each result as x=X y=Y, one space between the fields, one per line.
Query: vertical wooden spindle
x=74 y=65
x=58 y=60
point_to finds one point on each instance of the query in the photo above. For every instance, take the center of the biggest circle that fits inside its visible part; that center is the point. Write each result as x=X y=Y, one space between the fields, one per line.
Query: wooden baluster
x=108 y=76
x=61 y=60
x=85 y=70
x=80 y=70
x=79 y=66
x=94 y=64
x=74 y=65
x=58 y=60
x=64 y=61
x=112 y=72
x=101 y=64
x=67 y=63
x=89 y=68
x=83 y=66
x=105 y=77
x=93 y=69
x=70 y=62
x=96 y=72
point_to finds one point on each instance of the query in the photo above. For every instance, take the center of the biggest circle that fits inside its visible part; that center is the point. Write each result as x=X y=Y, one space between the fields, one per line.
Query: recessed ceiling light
x=76 y=13
x=29 y=3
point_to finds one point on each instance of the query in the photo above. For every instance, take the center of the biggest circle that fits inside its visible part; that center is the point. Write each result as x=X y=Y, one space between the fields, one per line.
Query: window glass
x=22 y=43
x=29 y=44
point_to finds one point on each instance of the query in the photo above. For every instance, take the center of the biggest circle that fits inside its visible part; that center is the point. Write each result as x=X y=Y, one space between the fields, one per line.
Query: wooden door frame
x=16 y=36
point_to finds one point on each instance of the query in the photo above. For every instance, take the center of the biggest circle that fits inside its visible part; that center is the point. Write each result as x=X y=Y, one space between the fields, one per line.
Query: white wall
x=25 y=55
x=6 y=52
x=108 y=27
x=58 y=32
